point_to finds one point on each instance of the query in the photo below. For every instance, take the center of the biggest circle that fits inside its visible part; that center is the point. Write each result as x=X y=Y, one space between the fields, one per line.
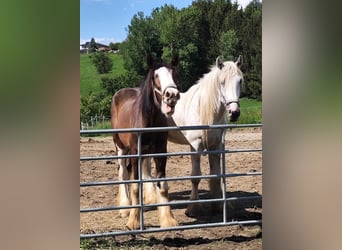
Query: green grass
x=100 y=125
x=90 y=79
x=251 y=111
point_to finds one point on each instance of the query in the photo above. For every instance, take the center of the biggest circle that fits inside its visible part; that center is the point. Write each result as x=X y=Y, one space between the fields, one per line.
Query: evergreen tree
x=92 y=45
x=228 y=45
x=251 y=45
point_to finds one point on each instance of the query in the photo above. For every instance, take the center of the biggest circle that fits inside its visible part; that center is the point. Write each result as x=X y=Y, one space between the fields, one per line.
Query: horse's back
x=123 y=95
x=122 y=102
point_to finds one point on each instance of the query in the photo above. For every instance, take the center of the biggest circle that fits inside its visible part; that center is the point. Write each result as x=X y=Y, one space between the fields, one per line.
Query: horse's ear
x=150 y=61
x=219 y=62
x=175 y=60
x=239 y=61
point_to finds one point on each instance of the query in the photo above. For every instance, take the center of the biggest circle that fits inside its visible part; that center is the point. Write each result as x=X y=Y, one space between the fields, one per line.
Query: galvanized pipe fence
x=140 y=181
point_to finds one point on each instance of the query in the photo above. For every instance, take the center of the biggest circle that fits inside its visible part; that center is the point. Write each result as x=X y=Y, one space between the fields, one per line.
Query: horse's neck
x=211 y=108
x=150 y=113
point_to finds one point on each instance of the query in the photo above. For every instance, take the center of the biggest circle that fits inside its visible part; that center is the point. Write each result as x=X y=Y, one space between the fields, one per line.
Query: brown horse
x=145 y=106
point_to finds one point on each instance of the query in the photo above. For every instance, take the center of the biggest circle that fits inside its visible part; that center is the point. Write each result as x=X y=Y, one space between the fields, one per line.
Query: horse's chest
x=152 y=142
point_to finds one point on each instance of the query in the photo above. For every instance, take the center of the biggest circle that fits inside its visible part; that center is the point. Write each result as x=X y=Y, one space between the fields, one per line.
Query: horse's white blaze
x=165 y=77
x=168 y=90
x=232 y=89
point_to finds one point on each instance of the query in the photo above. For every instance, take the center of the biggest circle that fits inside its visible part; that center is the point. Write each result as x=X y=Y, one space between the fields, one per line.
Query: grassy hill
x=90 y=79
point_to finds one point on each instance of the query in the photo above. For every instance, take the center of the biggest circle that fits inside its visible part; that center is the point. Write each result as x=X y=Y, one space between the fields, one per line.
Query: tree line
x=198 y=34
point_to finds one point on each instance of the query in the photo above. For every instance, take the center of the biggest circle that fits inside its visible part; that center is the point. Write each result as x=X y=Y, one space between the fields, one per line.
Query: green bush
x=112 y=84
x=102 y=62
x=93 y=104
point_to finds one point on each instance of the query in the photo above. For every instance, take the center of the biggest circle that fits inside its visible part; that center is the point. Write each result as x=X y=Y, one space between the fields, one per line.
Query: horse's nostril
x=167 y=94
x=178 y=96
x=236 y=113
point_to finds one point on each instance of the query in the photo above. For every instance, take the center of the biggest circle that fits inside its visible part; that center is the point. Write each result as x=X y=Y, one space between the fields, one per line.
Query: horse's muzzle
x=233 y=109
x=170 y=97
x=233 y=115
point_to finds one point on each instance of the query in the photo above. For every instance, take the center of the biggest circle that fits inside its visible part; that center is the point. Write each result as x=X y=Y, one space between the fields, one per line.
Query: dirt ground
x=227 y=237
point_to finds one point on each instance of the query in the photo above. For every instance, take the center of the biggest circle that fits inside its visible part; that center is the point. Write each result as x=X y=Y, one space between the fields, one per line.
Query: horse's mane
x=146 y=92
x=209 y=86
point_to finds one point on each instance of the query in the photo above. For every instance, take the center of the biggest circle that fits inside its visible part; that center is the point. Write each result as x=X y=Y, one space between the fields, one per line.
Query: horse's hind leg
x=195 y=209
x=134 y=215
x=123 y=196
x=166 y=217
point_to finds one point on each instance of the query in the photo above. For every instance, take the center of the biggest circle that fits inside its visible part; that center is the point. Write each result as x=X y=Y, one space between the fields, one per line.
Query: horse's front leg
x=134 y=215
x=215 y=184
x=195 y=209
x=166 y=217
x=123 y=196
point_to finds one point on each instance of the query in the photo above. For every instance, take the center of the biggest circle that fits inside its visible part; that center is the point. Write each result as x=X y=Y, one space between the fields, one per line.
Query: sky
x=107 y=20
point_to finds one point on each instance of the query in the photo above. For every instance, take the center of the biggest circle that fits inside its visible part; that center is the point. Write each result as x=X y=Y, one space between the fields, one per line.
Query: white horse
x=206 y=103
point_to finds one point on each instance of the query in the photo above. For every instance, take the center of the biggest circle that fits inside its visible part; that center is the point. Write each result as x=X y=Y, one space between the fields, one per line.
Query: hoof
x=169 y=223
x=134 y=219
x=124 y=213
x=194 y=210
x=133 y=225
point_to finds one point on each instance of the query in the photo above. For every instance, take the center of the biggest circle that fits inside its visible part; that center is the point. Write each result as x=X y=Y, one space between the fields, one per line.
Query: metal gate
x=223 y=175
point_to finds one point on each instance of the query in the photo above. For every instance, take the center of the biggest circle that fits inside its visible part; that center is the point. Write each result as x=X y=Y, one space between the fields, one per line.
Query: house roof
x=98 y=45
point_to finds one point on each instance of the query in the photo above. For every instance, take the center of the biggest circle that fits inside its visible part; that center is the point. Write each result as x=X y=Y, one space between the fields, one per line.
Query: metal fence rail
x=141 y=205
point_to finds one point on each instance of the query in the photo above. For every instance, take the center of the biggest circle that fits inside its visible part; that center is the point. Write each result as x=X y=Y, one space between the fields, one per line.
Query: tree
x=102 y=62
x=114 y=46
x=92 y=45
x=173 y=26
x=228 y=45
x=142 y=39
x=251 y=46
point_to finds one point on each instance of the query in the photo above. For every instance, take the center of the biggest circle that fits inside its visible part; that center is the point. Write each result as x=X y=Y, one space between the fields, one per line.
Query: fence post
x=223 y=172
x=141 y=192
x=91 y=121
